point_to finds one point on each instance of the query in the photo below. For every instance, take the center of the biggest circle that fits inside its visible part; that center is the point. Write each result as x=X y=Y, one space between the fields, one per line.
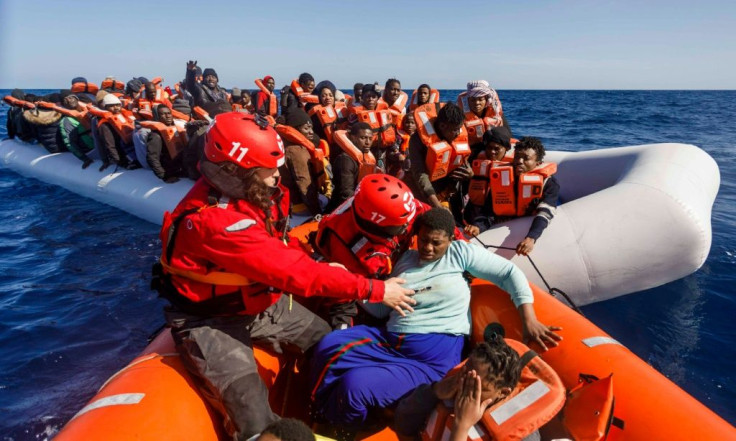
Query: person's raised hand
x=397 y=297
x=192 y=65
x=462 y=174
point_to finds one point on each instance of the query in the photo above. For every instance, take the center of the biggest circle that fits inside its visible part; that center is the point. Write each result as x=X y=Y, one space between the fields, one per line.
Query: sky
x=521 y=44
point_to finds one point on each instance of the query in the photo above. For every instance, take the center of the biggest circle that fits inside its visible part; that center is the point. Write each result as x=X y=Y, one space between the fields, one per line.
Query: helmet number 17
x=377 y=218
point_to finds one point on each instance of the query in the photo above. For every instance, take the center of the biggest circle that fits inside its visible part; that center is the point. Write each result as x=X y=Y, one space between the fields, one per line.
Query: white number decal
x=236 y=147
x=377 y=218
x=409 y=204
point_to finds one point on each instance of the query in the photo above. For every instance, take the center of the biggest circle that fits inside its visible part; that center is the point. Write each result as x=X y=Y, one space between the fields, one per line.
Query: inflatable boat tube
x=154 y=398
x=629 y=219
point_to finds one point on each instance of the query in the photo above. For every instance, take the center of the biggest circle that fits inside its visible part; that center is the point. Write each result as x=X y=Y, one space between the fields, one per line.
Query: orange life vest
x=180 y=115
x=476 y=127
x=304 y=97
x=85 y=87
x=317 y=155
x=366 y=161
x=349 y=100
x=174 y=137
x=113 y=86
x=143 y=108
x=537 y=398
x=382 y=124
x=404 y=140
x=273 y=109
x=123 y=122
x=330 y=118
x=442 y=157
x=509 y=198
x=200 y=114
x=11 y=100
x=399 y=105
x=80 y=113
x=434 y=97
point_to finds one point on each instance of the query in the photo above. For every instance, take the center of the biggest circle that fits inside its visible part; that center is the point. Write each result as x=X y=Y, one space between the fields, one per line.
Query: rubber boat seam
x=582 y=252
x=135 y=362
x=689 y=212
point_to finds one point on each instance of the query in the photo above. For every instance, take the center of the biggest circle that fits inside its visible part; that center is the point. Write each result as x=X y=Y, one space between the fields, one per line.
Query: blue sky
x=567 y=44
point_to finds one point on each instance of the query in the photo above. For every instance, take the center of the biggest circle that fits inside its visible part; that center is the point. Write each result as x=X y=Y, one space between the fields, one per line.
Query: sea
x=75 y=303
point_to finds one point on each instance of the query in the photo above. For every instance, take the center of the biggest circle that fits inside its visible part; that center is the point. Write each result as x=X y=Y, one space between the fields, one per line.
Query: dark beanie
x=133 y=86
x=370 y=88
x=182 y=106
x=297 y=118
x=324 y=85
x=305 y=78
x=79 y=80
x=143 y=80
x=498 y=135
x=210 y=71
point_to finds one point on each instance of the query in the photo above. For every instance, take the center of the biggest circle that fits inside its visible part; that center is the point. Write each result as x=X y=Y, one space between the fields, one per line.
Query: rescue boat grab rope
x=551 y=290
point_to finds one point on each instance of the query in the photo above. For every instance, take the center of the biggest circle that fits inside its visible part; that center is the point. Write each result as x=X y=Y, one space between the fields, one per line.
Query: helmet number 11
x=236 y=147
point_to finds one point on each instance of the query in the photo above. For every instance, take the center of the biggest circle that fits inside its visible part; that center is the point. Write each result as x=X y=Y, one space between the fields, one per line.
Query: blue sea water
x=75 y=305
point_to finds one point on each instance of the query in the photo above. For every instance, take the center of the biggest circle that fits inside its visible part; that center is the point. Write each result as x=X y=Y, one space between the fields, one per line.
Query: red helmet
x=384 y=201
x=243 y=139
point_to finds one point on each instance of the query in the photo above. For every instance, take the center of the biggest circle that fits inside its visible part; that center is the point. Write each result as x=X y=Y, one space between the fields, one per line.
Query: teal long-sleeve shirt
x=445 y=307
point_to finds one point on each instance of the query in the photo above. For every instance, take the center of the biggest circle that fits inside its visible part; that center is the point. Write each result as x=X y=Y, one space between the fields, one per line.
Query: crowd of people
x=379 y=169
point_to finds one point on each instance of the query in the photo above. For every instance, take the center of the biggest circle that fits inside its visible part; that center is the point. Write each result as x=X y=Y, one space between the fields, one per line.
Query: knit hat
x=78 y=80
x=110 y=100
x=182 y=106
x=133 y=86
x=498 y=135
x=210 y=71
x=371 y=88
x=479 y=88
x=296 y=118
x=324 y=85
x=266 y=78
x=143 y=80
x=235 y=92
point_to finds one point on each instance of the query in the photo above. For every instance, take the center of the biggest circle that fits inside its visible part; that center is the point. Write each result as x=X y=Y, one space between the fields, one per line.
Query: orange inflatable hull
x=649 y=405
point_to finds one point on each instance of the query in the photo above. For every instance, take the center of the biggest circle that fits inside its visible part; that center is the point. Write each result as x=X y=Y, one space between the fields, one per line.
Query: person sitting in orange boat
x=502 y=191
x=423 y=95
x=438 y=154
x=208 y=90
x=164 y=146
x=224 y=250
x=287 y=429
x=115 y=135
x=328 y=115
x=354 y=160
x=490 y=382
x=265 y=99
x=299 y=173
x=483 y=110
x=360 y=368
x=298 y=93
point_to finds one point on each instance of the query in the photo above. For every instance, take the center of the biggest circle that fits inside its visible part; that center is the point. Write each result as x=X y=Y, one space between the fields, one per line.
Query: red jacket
x=232 y=237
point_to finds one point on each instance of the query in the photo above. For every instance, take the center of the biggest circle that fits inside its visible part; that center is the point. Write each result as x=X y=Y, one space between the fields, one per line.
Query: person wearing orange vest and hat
x=263 y=104
x=165 y=145
x=293 y=95
x=501 y=191
x=228 y=263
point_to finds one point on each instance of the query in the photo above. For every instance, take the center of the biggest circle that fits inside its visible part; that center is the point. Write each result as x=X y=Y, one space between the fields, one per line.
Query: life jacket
x=228 y=291
x=304 y=97
x=349 y=100
x=273 y=109
x=80 y=113
x=236 y=107
x=317 y=155
x=123 y=123
x=175 y=137
x=13 y=101
x=143 y=108
x=339 y=239
x=330 y=118
x=399 y=105
x=85 y=87
x=366 y=161
x=113 y=86
x=442 y=157
x=508 y=198
x=382 y=124
x=404 y=140
x=434 y=97
x=200 y=114
x=180 y=115
x=492 y=117
x=537 y=398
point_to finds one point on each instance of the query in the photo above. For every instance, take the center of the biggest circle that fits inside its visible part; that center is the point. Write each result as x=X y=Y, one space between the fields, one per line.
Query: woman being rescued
x=360 y=368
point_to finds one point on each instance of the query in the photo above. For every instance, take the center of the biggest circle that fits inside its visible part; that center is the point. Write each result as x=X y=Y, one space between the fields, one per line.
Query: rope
x=551 y=290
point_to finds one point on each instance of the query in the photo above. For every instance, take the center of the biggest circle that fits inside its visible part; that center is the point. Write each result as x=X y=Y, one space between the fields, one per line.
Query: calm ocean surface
x=75 y=305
